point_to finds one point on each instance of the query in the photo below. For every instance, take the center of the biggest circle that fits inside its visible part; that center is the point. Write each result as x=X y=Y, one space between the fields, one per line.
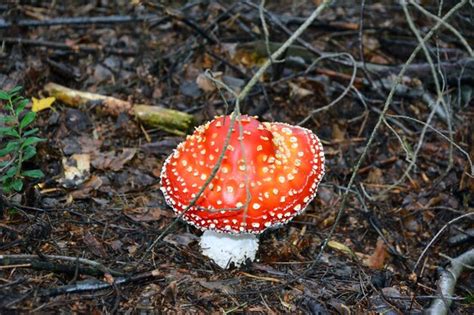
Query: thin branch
x=447 y=282
x=437 y=235
x=92 y=263
x=445 y=24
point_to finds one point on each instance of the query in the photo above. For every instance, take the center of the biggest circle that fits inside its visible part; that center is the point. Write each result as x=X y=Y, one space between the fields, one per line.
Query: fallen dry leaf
x=85 y=190
x=94 y=245
x=341 y=247
x=112 y=160
x=146 y=214
x=207 y=85
x=299 y=92
x=377 y=259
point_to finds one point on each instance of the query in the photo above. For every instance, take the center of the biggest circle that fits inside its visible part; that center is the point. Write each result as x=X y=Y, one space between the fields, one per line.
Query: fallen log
x=170 y=120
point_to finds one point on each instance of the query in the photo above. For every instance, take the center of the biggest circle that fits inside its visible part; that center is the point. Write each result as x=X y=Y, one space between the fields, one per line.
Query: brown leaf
x=171 y=290
x=94 y=245
x=112 y=160
x=146 y=214
x=225 y=286
x=207 y=85
x=377 y=259
x=183 y=239
x=338 y=134
x=375 y=176
x=298 y=91
x=85 y=190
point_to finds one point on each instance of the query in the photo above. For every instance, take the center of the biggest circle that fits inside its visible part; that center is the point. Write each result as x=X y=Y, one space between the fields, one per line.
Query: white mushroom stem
x=225 y=249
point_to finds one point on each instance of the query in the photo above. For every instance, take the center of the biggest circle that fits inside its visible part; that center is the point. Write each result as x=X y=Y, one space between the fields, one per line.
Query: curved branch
x=447 y=282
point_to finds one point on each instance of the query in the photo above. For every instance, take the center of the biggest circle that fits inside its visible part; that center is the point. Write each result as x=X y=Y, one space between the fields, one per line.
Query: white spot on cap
x=256 y=225
x=281 y=179
x=297 y=207
x=256 y=206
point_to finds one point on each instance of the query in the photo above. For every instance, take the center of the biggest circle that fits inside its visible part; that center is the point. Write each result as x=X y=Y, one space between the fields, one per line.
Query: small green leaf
x=33 y=173
x=30 y=132
x=28 y=153
x=31 y=140
x=11 y=171
x=15 y=90
x=17 y=184
x=7 y=131
x=4 y=96
x=21 y=106
x=27 y=119
x=7 y=119
x=6 y=187
x=4 y=179
x=10 y=147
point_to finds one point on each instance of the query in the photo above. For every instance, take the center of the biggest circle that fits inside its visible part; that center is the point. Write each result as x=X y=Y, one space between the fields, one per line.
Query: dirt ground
x=384 y=255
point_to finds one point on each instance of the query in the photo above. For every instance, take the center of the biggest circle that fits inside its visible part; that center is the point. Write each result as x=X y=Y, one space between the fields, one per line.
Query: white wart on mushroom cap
x=280 y=165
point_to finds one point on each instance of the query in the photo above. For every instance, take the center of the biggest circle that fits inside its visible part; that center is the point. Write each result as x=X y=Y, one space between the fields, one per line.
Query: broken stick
x=170 y=120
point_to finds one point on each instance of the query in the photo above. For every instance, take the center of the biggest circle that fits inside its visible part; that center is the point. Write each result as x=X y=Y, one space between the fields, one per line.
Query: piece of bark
x=170 y=120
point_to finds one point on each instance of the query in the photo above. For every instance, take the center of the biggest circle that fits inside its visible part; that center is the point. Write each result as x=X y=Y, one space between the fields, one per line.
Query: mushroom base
x=225 y=249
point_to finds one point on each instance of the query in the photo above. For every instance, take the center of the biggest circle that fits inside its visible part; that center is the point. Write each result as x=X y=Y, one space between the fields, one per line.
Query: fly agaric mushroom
x=269 y=173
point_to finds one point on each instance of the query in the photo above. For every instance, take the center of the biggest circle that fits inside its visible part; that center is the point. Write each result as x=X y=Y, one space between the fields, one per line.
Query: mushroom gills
x=225 y=249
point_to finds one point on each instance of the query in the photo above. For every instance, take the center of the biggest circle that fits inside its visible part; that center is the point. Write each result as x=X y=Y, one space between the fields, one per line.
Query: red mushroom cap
x=280 y=165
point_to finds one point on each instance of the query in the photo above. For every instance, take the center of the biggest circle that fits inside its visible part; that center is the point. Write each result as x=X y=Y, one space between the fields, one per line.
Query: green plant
x=20 y=144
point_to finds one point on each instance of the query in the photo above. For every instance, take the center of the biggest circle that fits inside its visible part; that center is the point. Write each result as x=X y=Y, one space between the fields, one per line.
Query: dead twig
x=95 y=285
x=447 y=282
x=35 y=260
x=437 y=235
x=170 y=120
x=85 y=20
x=93 y=48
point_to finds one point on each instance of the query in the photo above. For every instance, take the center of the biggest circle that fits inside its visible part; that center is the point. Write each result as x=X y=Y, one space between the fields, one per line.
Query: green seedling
x=17 y=141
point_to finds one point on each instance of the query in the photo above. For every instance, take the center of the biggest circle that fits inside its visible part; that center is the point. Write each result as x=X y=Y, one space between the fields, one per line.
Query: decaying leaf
x=340 y=247
x=146 y=214
x=85 y=190
x=377 y=259
x=112 y=160
x=298 y=91
x=207 y=85
x=183 y=239
x=375 y=176
x=94 y=245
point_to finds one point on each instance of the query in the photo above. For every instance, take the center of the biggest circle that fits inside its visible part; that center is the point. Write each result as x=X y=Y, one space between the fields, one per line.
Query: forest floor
x=384 y=255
